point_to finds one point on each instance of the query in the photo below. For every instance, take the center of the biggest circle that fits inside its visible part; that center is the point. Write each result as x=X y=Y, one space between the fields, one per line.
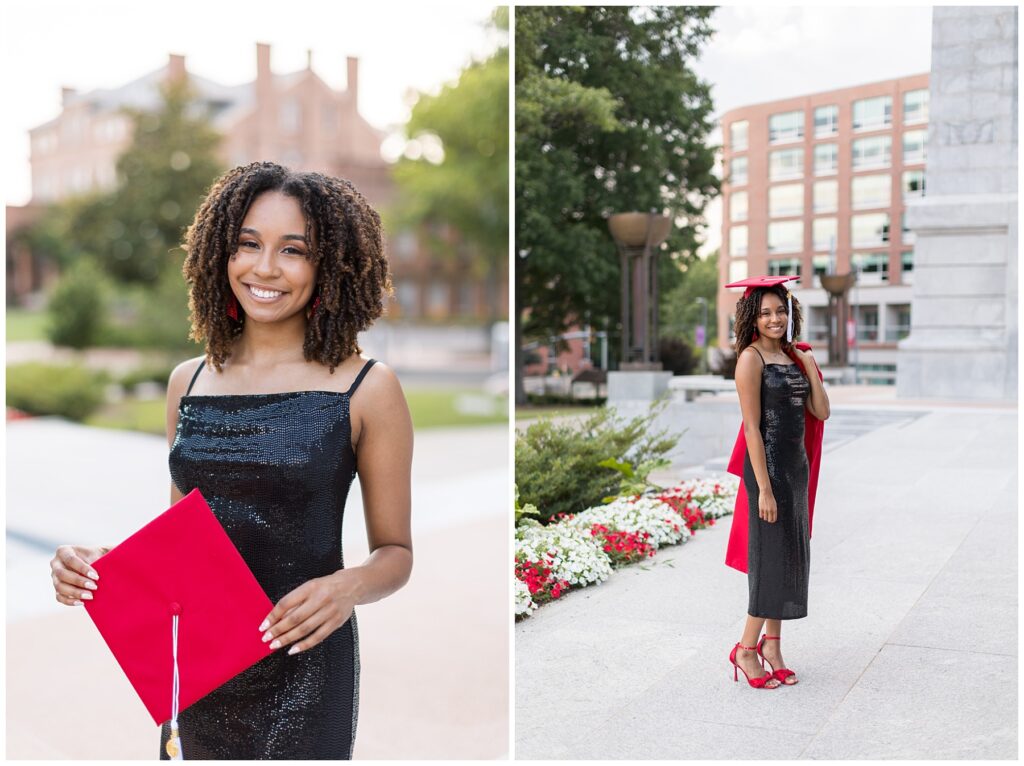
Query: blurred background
x=125 y=116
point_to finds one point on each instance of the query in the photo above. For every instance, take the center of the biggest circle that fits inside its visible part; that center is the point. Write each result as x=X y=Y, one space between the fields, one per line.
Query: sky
x=765 y=52
x=403 y=48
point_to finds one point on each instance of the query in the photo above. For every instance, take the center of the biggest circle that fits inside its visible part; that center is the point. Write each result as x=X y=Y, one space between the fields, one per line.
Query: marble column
x=963 y=337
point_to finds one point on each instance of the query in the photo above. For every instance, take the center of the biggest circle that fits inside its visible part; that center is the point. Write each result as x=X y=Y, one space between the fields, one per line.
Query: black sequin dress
x=779 y=553
x=276 y=470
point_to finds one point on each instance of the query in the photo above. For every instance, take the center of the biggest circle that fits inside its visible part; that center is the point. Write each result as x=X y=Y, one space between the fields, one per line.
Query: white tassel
x=789 y=311
x=174 y=743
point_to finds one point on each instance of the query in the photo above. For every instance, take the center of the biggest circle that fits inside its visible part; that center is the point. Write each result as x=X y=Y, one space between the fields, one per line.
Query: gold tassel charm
x=174 y=745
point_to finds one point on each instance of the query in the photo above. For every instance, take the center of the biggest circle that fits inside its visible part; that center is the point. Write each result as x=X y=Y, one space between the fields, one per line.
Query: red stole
x=736 y=553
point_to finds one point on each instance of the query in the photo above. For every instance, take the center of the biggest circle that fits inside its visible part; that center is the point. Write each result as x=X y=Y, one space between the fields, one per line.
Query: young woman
x=285 y=269
x=783 y=400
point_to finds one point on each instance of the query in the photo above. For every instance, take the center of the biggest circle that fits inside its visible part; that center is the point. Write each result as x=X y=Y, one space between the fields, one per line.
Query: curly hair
x=346 y=246
x=747 y=310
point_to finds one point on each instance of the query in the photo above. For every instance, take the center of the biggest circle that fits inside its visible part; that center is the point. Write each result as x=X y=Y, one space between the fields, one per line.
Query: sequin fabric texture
x=778 y=553
x=276 y=471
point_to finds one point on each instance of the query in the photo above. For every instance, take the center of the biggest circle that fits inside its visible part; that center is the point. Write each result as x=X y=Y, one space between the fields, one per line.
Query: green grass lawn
x=552 y=411
x=431 y=408
x=25 y=325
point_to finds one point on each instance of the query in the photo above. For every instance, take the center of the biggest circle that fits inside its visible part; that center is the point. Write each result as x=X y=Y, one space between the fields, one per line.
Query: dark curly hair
x=747 y=310
x=346 y=246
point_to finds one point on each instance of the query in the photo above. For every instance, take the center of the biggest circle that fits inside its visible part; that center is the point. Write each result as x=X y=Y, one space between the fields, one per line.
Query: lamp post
x=637 y=236
x=702 y=340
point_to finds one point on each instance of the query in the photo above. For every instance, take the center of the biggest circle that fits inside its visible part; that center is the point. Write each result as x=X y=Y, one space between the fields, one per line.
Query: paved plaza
x=909 y=649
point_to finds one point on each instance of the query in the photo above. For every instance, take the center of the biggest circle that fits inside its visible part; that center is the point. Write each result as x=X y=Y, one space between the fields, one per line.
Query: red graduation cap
x=177 y=594
x=753 y=283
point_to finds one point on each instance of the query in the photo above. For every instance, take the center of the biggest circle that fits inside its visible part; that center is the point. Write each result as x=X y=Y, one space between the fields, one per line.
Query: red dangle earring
x=312 y=309
x=233 y=307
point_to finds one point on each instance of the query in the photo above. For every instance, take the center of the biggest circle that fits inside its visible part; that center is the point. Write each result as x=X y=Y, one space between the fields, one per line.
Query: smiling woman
x=285 y=270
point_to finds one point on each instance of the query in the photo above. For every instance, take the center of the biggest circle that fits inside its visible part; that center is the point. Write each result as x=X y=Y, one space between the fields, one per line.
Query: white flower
x=644 y=514
x=524 y=604
x=573 y=555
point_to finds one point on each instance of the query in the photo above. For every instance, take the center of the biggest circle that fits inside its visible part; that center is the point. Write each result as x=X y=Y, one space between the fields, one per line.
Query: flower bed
x=581 y=549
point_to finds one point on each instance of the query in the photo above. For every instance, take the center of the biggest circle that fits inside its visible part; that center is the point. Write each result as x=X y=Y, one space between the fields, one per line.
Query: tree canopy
x=610 y=117
x=465 y=184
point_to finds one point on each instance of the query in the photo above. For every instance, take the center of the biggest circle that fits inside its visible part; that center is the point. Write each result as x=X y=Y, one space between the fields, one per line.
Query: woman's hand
x=806 y=358
x=766 y=507
x=311 y=612
x=73 y=577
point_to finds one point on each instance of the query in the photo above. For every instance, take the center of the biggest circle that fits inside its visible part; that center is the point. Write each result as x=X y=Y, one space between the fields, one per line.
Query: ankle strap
x=748 y=648
x=767 y=637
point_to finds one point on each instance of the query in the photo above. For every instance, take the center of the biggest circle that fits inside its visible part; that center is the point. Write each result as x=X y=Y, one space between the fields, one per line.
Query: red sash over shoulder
x=736 y=553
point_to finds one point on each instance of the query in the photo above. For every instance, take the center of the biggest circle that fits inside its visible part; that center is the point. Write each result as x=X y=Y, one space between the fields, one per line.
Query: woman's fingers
x=313 y=638
x=306 y=629
x=73 y=578
x=68 y=558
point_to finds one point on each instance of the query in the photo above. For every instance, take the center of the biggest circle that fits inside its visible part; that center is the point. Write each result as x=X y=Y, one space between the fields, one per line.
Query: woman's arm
x=315 y=609
x=748 y=386
x=817 y=402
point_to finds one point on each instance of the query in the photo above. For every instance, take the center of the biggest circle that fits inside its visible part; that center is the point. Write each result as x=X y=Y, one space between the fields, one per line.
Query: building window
x=290 y=116
x=467 y=298
x=785 y=163
x=407 y=294
x=867 y=323
x=438 y=298
x=913 y=183
x=869 y=229
x=738 y=136
x=915 y=106
x=785 y=200
x=784 y=267
x=329 y=118
x=873 y=152
x=826 y=196
x=404 y=245
x=907 y=267
x=826 y=159
x=820 y=266
x=785 y=127
x=824 y=233
x=897 y=324
x=738 y=206
x=737 y=241
x=785 y=236
x=870 y=191
x=737 y=270
x=738 y=171
x=873 y=268
x=914 y=146
x=826 y=120
x=872 y=113
x=907 y=237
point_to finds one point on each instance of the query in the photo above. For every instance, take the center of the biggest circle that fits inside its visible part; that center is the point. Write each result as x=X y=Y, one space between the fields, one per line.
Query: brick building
x=823 y=179
x=295 y=119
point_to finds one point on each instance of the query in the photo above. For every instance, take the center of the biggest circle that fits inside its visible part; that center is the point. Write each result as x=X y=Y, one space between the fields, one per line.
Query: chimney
x=309 y=59
x=353 y=81
x=175 y=67
x=262 y=65
x=66 y=94
x=264 y=102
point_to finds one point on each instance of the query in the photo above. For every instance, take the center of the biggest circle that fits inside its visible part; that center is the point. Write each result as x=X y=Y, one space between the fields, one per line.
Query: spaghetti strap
x=763 y=363
x=359 y=377
x=193 y=382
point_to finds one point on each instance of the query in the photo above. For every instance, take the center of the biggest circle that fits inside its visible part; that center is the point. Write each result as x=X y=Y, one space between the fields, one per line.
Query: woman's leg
x=747 y=659
x=772 y=650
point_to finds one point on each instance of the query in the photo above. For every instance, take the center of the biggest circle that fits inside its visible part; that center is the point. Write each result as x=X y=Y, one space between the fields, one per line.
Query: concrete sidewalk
x=909 y=649
x=434 y=656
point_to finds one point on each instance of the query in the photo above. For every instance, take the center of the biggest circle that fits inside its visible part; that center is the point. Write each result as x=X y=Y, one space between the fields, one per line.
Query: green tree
x=467 y=187
x=610 y=117
x=681 y=312
x=162 y=177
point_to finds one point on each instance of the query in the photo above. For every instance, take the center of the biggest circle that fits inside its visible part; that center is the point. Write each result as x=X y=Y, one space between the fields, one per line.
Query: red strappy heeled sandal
x=757 y=683
x=782 y=673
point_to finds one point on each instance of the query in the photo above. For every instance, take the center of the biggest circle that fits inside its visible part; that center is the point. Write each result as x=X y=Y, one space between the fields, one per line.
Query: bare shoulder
x=381 y=385
x=749 y=361
x=181 y=376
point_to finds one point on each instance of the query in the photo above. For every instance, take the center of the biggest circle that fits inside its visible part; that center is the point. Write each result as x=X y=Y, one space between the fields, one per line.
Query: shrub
x=557 y=465
x=677 y=355
x=78 y=305
x=72 y=392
